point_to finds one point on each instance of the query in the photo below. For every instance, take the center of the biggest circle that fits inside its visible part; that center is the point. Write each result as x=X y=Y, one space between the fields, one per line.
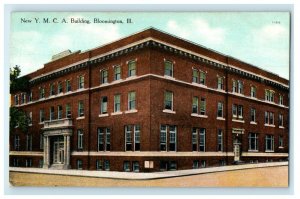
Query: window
x=168 y=100
x=41 y=162
x=195 y=164
x=30 y=118
x=195 y=75
x=266 y=117
x=198 y=139
x=41 y=141
x=80 y=109
x=23 y=98
x=104 y=76
x=16 y=99
x=240 y=111
x=220 y=110
x=17 y=143
x=42 y=93
x=203 y=106
x=104 y=139
x=42 y=115
x=68 y=111
x=195 y=105
x=253 y=91
x=234 y=86
x=234 y=110
x=132 y=131
x=131 y=100
x=165 y=143
x=16 y=162
x=52 y=91
x=202 y=77
x=59 y=87
x=271 y=118
x=117 y=70
x=106 y=165
x=280 y=120
x=280 y=100
x=99 y=164
x=79 y=164
x=169 y=68
x=220 y=140
x=253 y=142
x=30 y=96
x=253 y=115
x=126 y=166
x=103 y=109
x=28 y=162
x=52 y=116
x=280 y=141
x=135 y=166
x=117 y=103
x=221 y=83
x=270 y=143
x=59 y=112
x=81 y=82
x=80 y=139
x=131 y=68
x=269 y=95
x=240 y=87
x=68 y=85
x=173 y=165
x=203 y=163
x=28 y=142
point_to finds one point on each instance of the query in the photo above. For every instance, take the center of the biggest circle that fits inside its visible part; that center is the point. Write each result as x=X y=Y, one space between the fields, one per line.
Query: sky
x=259 y=38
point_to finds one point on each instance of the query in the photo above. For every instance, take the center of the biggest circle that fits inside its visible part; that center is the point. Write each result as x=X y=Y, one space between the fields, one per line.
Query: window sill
x=221 y=118
x=131 y=77
x=169 y=111
x=253 y=123
x=104 y=84
x=117 y=113
x=281 y=147
x=42 y=123
x=131 y=111
x=80 y=89
x=252 y=150
x=80 y=118
x=270 y=125
x=103 y=115
x=169 y=77
x=240 y=121
x=281 y=127
x=197 y=115
x=118 y=80
x=267 y=151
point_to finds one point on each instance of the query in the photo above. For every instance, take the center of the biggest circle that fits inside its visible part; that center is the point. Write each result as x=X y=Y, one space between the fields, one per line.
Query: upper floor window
x=17 y=142
x=131 y=100
x=81 y=82
x=117 y=70
x=16 y=99
x=240 y=87
x=30 y=118
x=168 y=100
x=52 y=91
x=168 y=138
x=220 y=140
x=198 y=139
x=195 y=76
x=103 y=109
x=80 y=139
x=52 y=116
x=42 y=115
x=30 y=96
x=280 y=120
x=253 y=91
x=202 y=77
x=132 y=137
x=23 y=98
x=280 y=100
x=131 y=68
x=203 y=106
x=220 y=110
x=59 y=87
x=169 y=68
x=280 y=140
x=253 y=142
x=28 y=142
x=270 y=143
x=68 y=111
x=80 y=109
x=253 y=115
x=195 y=105
x=237 y=111
x=68 y=85
x=117 y=103
x=59 y=112
x=42 y=93
x=269 y=95
x=104 y=76
x=221 y=83
x=104 y=139
x=234 y=86
x=269 y=117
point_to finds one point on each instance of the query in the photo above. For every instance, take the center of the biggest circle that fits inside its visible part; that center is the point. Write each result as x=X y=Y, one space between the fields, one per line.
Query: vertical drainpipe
x=227 y=110
x=89 y=108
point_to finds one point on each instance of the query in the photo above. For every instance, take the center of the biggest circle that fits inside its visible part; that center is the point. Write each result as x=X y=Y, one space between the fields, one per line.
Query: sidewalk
x=145 y=176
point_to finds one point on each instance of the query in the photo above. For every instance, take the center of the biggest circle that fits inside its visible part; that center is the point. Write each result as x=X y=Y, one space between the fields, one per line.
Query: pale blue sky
x=259 y=38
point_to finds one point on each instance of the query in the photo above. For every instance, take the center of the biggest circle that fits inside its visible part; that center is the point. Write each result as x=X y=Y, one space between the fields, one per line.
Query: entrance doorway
x=58 y=150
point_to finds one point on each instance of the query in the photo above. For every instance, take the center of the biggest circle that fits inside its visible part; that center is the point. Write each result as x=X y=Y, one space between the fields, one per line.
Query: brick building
x=150 y=102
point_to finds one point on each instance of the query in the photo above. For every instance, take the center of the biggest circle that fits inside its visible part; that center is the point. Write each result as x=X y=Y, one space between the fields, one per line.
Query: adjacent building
x=150 y=102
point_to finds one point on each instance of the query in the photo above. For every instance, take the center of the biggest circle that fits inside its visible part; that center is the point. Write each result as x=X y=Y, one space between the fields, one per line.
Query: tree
x=18 y=117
